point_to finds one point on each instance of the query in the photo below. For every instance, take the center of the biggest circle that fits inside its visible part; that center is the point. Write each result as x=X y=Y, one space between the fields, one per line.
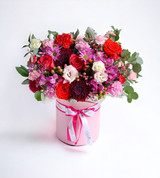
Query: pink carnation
x=50 y=92
x=115 y=89
x=47 y=43
x=100 y=40
x=82 y=46
x=79 y=38
x=33 y=75
x=132 y=75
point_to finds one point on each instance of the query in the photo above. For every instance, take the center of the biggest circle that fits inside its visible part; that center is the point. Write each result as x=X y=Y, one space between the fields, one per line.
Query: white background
x=129 y=143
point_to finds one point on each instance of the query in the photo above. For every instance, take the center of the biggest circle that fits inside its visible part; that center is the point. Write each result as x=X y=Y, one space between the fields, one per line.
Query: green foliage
x=22 y=71
x=117 y=32
x=90 y=33
x=131 y=93
x=54 y=33
x=125 y=53
x=136 y=68
x=76 y=34
x=25 y=82
x=39 y=95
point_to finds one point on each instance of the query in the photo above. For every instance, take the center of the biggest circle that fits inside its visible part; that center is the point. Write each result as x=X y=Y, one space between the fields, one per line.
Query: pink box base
x=62 y=122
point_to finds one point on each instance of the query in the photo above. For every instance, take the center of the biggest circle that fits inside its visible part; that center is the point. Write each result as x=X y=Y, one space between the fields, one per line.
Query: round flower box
x=63 y=121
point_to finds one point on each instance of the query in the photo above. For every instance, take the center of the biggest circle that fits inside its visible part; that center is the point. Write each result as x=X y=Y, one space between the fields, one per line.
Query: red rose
x=63 y=90
x=33 y=86
x=122 y=79
x=112 y=47
x=64 y=40
x=76 y=62
x=46 y=61
x=34 y=59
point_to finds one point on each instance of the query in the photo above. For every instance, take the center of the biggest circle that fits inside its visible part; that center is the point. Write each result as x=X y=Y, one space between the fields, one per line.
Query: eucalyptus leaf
x=90 y=33
x=129 y=98
x=42 y=96
x=139 y=60
x=129 y=89
x=134 y=95
x=125 y=53
x=137 y=68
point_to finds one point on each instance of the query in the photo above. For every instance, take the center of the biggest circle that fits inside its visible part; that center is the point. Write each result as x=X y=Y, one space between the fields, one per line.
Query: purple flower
x=52 y=79
x=86 y=54
x=53 y=51
x=42 y=80
x=112 y=72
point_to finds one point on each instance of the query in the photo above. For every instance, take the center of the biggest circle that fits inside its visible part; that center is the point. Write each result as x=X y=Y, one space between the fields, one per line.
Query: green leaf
x=22 y=71
x=29 y=38
x=125 y=53
x=33 y=37
x=25 y=82
x=24 y=68
x=54 y=33
x=117 y=32
x=126 y=83
x=129 y=98
x=25 y=46
x=35 y=51
x=76 y=34
x=129 y=89
x=139 y=60
x=26 y=54
x=132 y=59
x=37 y=95
x=44 y=87
x=137 y=68
x=90 y=33
x=42 y=96
x=134 y=95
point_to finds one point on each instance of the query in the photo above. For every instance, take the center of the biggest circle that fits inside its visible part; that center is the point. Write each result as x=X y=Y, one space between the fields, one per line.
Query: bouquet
x=74 y=67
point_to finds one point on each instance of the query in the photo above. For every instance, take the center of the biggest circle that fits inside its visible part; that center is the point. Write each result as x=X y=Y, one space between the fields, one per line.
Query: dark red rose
x=76 y=62
x=46 y=61
x=33 y=86
x=79 y=90
x=112 y=47
x=63 y=90
x=34 y=59
x=64 y=40
x=122 y=79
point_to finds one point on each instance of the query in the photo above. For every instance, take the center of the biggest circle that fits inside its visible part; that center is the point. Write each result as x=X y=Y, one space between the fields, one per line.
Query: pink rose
x=100 y=40
x=132 y=75
x=33 y=75
x=47 y=43
x=70 y=73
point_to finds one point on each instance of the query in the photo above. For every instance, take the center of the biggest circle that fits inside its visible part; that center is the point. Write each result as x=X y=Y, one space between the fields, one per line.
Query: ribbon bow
x=72 y=134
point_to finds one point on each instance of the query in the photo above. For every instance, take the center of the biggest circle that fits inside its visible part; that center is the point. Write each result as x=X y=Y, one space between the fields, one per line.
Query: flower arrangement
x=80 y=68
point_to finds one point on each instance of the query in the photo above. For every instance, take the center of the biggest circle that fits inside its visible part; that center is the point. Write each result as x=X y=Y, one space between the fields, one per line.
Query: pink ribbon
x=78 y=117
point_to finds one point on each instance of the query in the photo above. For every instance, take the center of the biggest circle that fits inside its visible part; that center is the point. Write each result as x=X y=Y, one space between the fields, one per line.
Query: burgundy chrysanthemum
x=33 y=86
x=79 y=90
x=64 y=56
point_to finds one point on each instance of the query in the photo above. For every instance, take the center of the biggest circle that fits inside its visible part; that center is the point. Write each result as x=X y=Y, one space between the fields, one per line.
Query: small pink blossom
x=50 y=92
x=33 y=75
x=115 y=89
x=82 y=46
x=132 y=75
x=47 y=43
x=100 y=40
x=110 y=33
x=70 y=73
x=80 y=38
